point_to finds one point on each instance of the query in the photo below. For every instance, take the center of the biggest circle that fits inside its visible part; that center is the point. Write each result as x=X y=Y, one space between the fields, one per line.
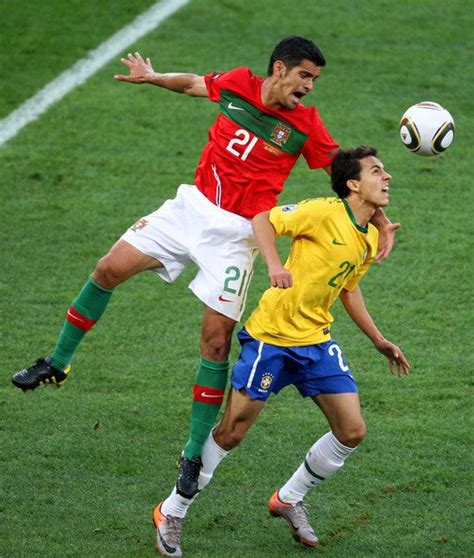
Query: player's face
x=294 y=84
x=374 y=183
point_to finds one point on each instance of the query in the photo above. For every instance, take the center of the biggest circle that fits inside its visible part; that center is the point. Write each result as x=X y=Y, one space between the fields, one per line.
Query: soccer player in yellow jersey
x=287 y=338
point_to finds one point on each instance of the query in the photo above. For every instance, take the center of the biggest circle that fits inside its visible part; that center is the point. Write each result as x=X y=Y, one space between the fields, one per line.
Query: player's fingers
x=138 y=56
x=404 y=364
x=390 y=363
x=402 y=360
x=396 y=358
x=126 y=62
x=382 y=254
x=282 y=279
x=128 y=79
x=276 y=281
x=399 y=368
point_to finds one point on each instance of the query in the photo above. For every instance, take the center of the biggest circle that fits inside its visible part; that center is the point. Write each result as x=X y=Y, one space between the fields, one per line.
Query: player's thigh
x=121 y=262
x=343 y=413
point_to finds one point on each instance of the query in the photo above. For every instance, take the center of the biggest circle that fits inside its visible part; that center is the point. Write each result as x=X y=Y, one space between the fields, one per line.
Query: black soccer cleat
x=188 y=476
x=40 y=373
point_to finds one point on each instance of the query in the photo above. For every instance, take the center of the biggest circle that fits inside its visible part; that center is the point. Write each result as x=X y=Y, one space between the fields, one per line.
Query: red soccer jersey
x=252 y=148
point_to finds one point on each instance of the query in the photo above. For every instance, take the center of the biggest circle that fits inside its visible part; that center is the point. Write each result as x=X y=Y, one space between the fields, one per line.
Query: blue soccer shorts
x=263 y=369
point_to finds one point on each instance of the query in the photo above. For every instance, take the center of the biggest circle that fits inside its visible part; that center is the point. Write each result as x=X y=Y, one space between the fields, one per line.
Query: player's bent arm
x=354 y=304
x=265 y=238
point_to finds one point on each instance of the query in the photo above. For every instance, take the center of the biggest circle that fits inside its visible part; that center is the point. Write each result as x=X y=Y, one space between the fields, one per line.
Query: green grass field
x=82 y=467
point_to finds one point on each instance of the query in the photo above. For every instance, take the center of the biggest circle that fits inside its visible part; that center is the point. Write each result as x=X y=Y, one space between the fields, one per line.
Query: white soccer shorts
x=190 y=228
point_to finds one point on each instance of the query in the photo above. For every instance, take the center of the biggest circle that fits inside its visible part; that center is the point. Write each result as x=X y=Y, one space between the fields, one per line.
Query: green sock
x=209 y=387
x=83 y=313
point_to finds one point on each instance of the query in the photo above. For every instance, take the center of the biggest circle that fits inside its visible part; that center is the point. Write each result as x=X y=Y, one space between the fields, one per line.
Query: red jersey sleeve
x=319 y=149
x=232 y=79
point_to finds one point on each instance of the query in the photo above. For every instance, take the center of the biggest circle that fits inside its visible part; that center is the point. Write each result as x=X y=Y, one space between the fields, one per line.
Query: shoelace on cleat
x=173 y=530
x=192 y=469
x=300 y=511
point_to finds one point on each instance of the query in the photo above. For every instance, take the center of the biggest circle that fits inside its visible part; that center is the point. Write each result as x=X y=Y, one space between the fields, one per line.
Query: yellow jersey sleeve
x=301 y=219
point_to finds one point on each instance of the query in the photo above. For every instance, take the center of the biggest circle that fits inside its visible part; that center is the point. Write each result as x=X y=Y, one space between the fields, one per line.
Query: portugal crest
x=280 y=134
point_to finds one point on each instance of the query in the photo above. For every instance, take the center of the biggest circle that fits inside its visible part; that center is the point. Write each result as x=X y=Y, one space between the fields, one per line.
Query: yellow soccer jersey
x=329 y=251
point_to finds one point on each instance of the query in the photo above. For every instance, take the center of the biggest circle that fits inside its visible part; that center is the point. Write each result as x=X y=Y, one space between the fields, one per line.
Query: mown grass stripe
x=82 y=70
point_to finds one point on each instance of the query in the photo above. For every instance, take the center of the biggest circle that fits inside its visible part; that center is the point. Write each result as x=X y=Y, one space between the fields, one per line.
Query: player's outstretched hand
x=140 y=70
x=394 y=355
x=386 y=240
x=280 y=277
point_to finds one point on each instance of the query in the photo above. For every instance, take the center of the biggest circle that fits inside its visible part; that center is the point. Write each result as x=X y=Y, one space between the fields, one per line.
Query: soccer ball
x=427 y=129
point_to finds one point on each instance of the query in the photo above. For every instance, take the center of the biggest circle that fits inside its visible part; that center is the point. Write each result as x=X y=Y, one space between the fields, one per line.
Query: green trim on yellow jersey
x=329 y=252
x=352 y=218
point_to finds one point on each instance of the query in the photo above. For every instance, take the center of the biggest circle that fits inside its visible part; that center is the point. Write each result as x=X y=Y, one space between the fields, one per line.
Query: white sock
x=176 y=505
x=323 y=459
x=212 y=455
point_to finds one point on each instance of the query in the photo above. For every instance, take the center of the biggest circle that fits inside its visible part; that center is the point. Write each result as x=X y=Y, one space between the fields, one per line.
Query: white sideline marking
x=82 y=70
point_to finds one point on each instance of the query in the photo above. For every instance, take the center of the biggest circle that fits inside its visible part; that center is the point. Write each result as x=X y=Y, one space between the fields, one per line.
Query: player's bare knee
x=106 y=274
x=353 y=436
x=232 y=439
x=216 y=345
x=228 y=437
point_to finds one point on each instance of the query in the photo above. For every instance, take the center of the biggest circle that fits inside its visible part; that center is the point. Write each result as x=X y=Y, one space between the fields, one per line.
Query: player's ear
x=353 y=185
x=279 y=68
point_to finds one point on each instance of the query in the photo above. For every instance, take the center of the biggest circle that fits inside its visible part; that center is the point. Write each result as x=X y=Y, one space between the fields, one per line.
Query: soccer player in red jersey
x=260 y=132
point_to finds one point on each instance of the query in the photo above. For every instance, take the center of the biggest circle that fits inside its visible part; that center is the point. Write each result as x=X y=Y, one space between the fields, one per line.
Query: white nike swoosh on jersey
x=232 y=106
x=211 y=395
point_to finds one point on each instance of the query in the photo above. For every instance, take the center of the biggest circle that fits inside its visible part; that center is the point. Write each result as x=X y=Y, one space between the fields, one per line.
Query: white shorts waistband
x=201 y=201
